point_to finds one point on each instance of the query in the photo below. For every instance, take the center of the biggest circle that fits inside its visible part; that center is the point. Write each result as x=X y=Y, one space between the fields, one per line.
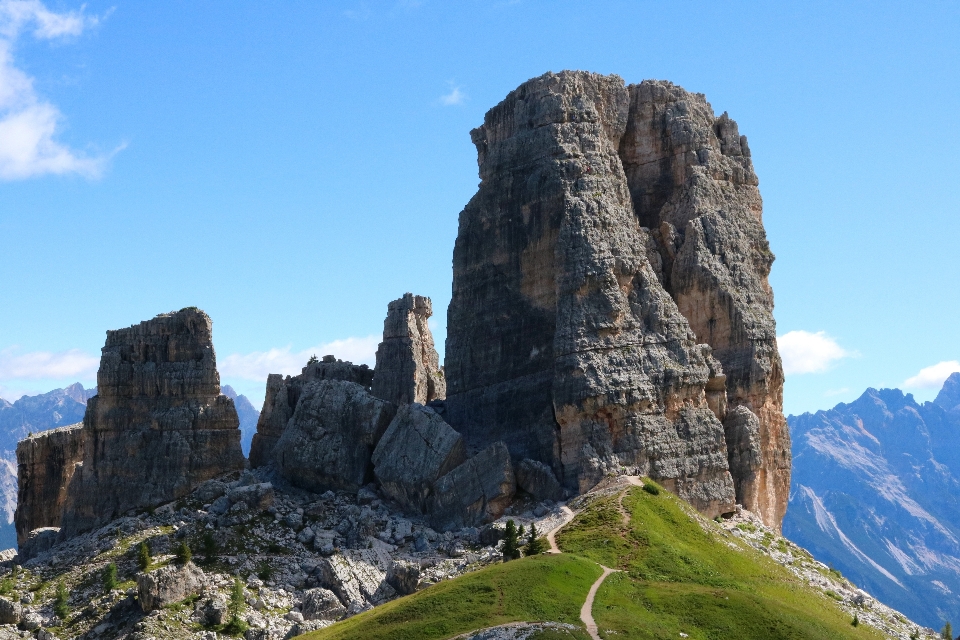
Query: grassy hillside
x=678 y=576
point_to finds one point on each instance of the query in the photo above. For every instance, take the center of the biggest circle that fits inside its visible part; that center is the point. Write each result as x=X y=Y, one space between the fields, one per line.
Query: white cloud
x=72 y=363
x=28 y=124
x=453 y=98
x=257 y=365
x=932 y=377
x=805 y=352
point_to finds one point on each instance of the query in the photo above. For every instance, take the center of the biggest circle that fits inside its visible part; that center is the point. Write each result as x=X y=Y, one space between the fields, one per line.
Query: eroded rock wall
x=45 y=465
x=158 y=426
x=562 y=341
x=692 y=183
x=408 y=366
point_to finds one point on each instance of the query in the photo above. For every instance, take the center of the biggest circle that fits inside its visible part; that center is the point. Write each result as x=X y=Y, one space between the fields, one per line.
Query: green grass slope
x=541 y=588
x=679 y=575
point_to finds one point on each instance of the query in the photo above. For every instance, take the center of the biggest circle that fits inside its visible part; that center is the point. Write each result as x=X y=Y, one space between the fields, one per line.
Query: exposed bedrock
x=158 y=426
x=282 y=395
x=45 y=464
x=584 y=332
x=477 y=491
x=408 y=367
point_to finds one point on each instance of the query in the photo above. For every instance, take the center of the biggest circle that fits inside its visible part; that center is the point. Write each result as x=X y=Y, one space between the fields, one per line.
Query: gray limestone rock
x=10 y=612
x=330 y=438
x=46 y=463
x=167 y=585
x=538 y=480
x=408 y=367
x=38 y=541
x=282 y=395
x=417 y=448
x=562 y=340
x=474 y=493
x=158 y=427
x=255 y=496
x=321 y=604
x=358 y=578
x=404 y=577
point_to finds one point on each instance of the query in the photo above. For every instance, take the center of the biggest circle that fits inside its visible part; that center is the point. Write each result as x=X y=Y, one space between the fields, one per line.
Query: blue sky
x=292 y=167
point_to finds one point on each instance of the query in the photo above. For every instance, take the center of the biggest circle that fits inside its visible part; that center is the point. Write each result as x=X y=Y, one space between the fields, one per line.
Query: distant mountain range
x=59 y=408
x=876 y=493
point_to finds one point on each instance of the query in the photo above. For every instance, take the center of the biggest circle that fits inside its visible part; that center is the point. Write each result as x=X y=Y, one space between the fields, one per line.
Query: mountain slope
x=876 y=492
x=678 y=574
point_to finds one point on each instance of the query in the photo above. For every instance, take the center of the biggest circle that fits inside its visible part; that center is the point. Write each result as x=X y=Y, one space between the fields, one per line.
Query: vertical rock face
x=580 y=327
x=408 y=367
x=282 y=395
x=158 y=426
x=45 y=466
x=692 y=183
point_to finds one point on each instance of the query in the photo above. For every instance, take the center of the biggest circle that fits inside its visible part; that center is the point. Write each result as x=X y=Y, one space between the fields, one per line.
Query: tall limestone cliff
x=158 y=426
x=46 y=463
x=408 y=366
x=610 y=305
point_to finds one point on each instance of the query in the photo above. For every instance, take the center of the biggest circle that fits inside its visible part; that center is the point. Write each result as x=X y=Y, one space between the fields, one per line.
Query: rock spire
x=408 y=367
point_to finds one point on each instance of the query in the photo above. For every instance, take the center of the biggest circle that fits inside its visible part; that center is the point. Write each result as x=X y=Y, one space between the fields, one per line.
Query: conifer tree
x=143 y=556
x=511 y=547
x=110 y=577
x=535 y=544
x=183 y=555
x=60 y=608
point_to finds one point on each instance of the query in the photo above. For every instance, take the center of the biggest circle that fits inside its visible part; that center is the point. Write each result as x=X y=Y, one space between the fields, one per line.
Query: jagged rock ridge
x=611 y=267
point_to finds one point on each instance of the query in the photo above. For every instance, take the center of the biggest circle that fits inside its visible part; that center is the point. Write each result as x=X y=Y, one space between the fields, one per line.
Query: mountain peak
x=949 y=396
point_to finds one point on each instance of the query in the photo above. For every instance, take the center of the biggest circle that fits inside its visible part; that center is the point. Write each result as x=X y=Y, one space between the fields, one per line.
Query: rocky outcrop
x=282 y=395
x=417 y=448
x=168 y=585
x=563 y=341
x=692 y=183
x=330 y=438
x=158 y=426
x=408 y=367
x=538 y=480
x=45 y=465
x=477 y=491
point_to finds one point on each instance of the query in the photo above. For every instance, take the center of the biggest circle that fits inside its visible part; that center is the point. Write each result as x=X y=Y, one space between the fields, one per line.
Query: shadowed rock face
x=158 y=426
x=408 y=367
x=576 y=314
x=45 y=466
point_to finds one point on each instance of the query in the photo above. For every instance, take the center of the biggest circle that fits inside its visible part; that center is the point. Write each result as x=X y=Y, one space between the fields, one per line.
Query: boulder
x=538 y=480
x=282 y=395
x=10 y=612
x=474 y=493
x=331 y=436
x=321 y=604
x=255 y=496
x=408 y=367
x=417 y=448
x=38 y=541
x=358 y=578
x=158 y=427
x=404 y=576
x=168 y=585
x=212 y=610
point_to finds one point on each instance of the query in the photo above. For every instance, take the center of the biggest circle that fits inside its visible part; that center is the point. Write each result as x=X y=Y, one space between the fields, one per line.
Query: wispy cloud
x=805 y=352
x=29 y=124
x=35 y=365
x=932 y=377
x=258 y=364
x=455 y=97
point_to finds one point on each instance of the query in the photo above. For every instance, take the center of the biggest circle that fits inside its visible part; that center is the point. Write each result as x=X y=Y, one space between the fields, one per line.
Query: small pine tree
x=312 y=360
x=208 y=545
x=183 y=555
x=236 y=607
x=947 y=631
x=110 y=577
x=511 y=548
x=60 y=608
x=143 y=556
x=856 y=621
x=534 y=543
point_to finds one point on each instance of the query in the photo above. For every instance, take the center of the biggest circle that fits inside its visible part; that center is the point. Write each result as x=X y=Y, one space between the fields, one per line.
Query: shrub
x=856 y=621
x=208 y=545
x=947 y=631
x=183 y=555
x=312 y=360
x=143 y=556
x=60 y=608
x=265 y=571
x=651 y=488
x=110 y=577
